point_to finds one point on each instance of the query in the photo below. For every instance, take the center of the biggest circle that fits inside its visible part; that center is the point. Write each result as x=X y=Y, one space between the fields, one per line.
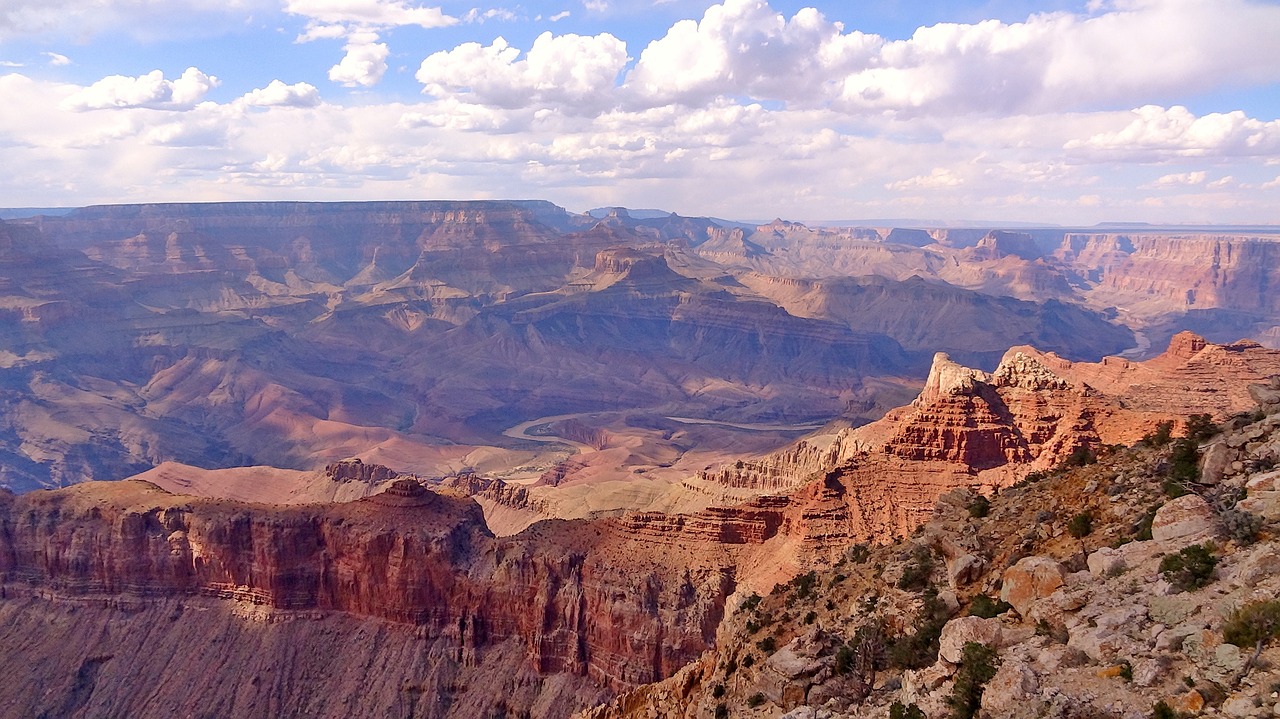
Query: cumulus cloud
x=1155 y=132
x=278 y=94
x=150 y=91
x=369 y=13
x=576 y=73
x=744 y=47
x=1137 y=51
x=364 y=64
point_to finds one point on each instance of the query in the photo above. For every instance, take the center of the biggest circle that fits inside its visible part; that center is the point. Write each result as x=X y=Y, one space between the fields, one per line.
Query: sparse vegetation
x=1241 y=526
x=755 y=700
x=1143 y=532
x=1190 y=569
x=919 y=650
x=1200 y=427
x=1082 y=456
x=1254 y=624
x=811 y=617
x=722 y=711
x=717 y=691
x=986 y=607
x=768 y=645
x=910 y=711
x=1126 y=671
x=1163 y=711
x=979 y=507
x=1162 y=435
x=750 y=603
x=915 y=576
x=1080 y=525
x=858 y=553
x=978 y=664
x=804 y=584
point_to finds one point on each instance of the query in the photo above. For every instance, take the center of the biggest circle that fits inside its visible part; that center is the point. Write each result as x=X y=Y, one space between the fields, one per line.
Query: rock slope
x=1092 y=592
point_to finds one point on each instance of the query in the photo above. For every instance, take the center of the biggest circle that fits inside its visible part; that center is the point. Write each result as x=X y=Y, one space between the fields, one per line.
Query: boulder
x=1032 y=578
x=961 y=631
x=1106 y=562
x=1184 y=521
x=1216 y=461
x=964 y=569
x=1013 y=684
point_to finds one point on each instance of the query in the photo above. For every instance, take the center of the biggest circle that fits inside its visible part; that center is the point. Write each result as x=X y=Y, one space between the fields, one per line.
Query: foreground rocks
x=1093 y=626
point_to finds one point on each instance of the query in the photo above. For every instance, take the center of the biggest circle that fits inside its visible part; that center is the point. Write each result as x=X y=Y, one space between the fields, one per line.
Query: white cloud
x=56 y=59
x=476 y=15
x=939 y=178
x=150 y=91
x=369 y=13
x=575 y=73
x=1182 y=179
x=560 y=16
x=364 y=64
x=322 y=32
x=1154 y=132
x=10 y=63
x=278 y=94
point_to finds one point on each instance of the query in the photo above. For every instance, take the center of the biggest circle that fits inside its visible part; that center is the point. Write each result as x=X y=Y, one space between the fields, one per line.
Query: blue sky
x=1059 y=112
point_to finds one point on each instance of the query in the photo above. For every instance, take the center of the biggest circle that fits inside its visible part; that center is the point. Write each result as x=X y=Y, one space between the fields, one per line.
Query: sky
x=1056 y=112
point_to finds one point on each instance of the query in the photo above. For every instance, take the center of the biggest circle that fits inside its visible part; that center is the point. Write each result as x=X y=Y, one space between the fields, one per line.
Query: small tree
x=978 y=664
x=1256 y=624
x=1080 y=525
x=1191 y=568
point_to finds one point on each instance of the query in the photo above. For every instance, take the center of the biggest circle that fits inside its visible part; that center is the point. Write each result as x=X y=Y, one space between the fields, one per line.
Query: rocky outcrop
x=1114 y=641
x=355 y=470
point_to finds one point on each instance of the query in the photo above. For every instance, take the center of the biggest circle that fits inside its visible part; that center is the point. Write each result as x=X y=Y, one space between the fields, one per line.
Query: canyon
x=568 y=612
x=455 y=459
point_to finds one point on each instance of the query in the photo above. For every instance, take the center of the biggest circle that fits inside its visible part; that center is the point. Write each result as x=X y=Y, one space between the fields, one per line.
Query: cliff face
x=977 y=429
x=595 y=603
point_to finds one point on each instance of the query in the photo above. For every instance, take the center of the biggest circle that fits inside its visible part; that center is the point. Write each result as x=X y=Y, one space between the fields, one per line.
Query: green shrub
x=1161 y=436
x=804 y=584
x=1126 y=671
x=986 y=607
x=858 y=553
x=1191 y=568
x=1080 y=525
x=1163 y=711
x=979 y=507
x=1184 y=462
x=749 y=661
x=1253 y=624
x=767 y=645
x=844 y=659
x=1143 y=532
x=910 y=711
x=1081 y=457
x=1200 y=427
x=915 y=576
x=919 y=650
x=750 y=603
x=755 y=700
x=978 y=664
x=717 y=691
x=811 y=617
x=722 y=711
